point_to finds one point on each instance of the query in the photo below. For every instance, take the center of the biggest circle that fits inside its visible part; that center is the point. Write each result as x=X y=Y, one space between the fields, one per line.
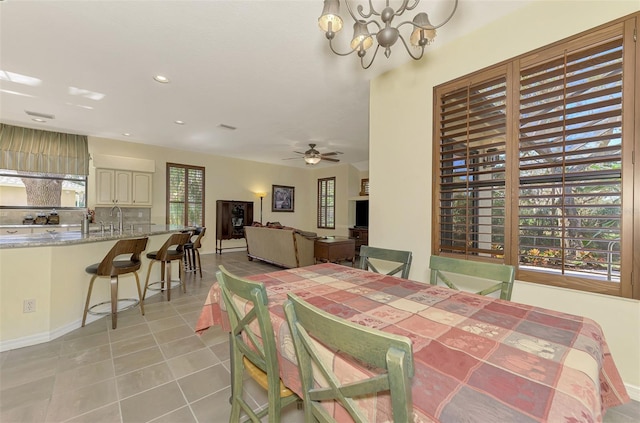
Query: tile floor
x=152 y=368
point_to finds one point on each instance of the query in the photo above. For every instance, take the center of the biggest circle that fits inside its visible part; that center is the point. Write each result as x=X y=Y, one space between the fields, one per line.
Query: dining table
x=476 y=358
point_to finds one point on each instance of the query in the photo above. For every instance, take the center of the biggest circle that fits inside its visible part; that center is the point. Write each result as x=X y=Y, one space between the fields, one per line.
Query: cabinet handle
x=12 y=232
x=51 y=231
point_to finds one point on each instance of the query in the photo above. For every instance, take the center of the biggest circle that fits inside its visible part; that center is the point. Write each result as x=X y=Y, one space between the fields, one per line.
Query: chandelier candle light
x=386 y=35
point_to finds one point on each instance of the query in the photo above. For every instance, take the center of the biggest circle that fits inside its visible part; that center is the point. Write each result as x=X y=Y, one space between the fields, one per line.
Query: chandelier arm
x=372 y=58
x=404 y=7
x=372 y=11
x=337 y=52
x=409 y=50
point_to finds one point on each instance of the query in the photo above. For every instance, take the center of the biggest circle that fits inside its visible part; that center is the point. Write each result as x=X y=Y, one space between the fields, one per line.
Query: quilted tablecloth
x=477 y=359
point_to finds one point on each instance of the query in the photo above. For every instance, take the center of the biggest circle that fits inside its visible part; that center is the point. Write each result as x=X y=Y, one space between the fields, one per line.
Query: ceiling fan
x=313 y=156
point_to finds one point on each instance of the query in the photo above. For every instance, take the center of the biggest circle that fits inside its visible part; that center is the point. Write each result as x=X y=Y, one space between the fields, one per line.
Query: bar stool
x=110 y=267
x=166 y=255
x=192 y=251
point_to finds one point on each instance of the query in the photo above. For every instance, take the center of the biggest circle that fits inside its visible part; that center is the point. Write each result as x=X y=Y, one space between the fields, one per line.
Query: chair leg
x=114 y=301
x=181 y=277
x=139 y=293
x=167 y=278
x=163 y=271
x=197 y=252
x=236 y=387
x=146 y=282
x=189 y=264
x=86 y=305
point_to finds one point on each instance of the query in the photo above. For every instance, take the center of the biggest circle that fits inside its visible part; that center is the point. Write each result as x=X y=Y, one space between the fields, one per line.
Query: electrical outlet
x=139 y=214
x=29 y=306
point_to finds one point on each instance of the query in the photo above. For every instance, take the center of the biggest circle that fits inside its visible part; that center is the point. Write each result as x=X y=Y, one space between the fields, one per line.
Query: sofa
x=285 y=247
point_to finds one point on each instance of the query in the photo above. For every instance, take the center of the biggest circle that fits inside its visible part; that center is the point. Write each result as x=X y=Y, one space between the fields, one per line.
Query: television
x=362 y=214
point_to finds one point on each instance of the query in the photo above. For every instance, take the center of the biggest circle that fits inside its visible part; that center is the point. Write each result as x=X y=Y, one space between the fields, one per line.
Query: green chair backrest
x=403 y=257
x=246 y=304
x=502 y=275
x=384 y=351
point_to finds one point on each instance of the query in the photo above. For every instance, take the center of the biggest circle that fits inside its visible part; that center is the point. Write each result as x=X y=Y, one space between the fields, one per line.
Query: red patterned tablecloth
x=477 y=359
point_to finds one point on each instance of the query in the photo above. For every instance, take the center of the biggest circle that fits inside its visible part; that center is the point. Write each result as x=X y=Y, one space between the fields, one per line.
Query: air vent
x=40 y=115
x=229 y=127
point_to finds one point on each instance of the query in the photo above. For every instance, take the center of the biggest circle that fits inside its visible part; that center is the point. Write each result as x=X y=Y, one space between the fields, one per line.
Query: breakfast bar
x=49 y=270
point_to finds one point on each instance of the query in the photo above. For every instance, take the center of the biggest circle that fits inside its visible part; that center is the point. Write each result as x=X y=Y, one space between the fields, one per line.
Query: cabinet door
x=45 y=230
x=123 y=187
x=141 y=189
x=15 y=231
x=105 y=186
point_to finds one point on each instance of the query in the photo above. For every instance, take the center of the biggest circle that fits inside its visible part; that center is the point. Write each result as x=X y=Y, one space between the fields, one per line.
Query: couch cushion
x=306 y=234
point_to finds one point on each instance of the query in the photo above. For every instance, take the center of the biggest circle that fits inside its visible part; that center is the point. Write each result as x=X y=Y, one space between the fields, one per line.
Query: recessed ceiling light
x=38 y=120
x=126 y=134
x=179 y=122
x=40 y=115
x=161 y=79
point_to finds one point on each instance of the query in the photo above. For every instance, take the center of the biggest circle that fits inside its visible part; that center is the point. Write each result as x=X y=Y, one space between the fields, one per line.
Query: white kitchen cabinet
x=123 y=188
x=141 y=183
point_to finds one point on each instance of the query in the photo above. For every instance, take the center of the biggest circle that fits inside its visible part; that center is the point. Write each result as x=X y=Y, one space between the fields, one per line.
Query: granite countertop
x=77 y=237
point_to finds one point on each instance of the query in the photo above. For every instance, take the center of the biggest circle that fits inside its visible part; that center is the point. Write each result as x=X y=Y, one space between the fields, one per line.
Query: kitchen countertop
x=70 y=237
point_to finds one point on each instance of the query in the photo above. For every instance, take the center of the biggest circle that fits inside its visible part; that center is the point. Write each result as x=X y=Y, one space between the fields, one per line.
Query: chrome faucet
x=119 y=217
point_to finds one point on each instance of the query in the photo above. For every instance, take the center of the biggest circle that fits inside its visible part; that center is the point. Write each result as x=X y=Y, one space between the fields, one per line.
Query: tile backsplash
x=70 y=217
x=130 y=215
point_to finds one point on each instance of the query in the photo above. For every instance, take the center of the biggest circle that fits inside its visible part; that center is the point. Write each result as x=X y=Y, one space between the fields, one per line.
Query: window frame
x=324 y=209
x=186 y=202
x=74 y=179
x=630 y=140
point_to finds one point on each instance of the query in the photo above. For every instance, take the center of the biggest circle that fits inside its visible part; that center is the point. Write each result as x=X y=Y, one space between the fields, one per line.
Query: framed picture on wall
x=282 y=199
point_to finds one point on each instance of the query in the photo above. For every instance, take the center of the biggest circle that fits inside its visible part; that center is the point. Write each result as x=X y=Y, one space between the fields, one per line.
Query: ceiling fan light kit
x=313 y=156
x=380 y=26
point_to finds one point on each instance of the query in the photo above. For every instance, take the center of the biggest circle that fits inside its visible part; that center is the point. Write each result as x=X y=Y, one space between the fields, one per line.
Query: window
x=530 y=163
x=327 y=203
x=20 y=189
x=185 y=195
x=42 y=169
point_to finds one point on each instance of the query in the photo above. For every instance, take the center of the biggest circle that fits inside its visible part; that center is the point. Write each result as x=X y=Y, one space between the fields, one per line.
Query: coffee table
x=335 y=249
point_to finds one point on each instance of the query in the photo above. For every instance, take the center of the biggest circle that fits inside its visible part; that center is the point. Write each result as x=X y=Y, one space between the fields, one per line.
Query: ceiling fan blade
x=333 y=153
x=291 y=158
x=329 y=159
x=298 y=152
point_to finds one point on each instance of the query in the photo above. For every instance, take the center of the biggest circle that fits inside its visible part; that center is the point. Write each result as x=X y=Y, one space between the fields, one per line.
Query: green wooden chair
x=500 y=275
x=374 y=348
x=248 y=352
x=403 y=257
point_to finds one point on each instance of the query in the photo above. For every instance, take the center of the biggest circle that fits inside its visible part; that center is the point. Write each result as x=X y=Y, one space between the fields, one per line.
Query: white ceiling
x=262 y=66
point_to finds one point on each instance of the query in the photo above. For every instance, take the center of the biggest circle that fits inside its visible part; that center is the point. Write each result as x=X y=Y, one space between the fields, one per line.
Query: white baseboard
x=42 y=337
x=633 y=391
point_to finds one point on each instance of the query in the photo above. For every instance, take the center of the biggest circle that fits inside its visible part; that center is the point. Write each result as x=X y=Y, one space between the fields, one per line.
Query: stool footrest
x=133 y=302
x=174 y=283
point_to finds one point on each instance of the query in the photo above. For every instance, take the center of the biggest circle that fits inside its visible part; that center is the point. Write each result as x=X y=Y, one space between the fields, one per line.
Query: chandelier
x=386 y=35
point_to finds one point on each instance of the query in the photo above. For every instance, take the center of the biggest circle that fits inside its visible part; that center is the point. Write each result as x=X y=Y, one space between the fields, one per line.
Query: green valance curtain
x=33 y=150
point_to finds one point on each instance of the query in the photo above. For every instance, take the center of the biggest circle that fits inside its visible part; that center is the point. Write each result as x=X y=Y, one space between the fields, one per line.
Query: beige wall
x=401 y=109
x=58 y=281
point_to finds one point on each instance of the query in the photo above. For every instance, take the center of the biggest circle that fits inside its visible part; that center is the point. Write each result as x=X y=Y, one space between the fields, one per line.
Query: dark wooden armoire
x=231 y=218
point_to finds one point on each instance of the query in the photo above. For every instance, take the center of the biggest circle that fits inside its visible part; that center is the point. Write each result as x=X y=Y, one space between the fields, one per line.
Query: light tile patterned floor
x=152 y=368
